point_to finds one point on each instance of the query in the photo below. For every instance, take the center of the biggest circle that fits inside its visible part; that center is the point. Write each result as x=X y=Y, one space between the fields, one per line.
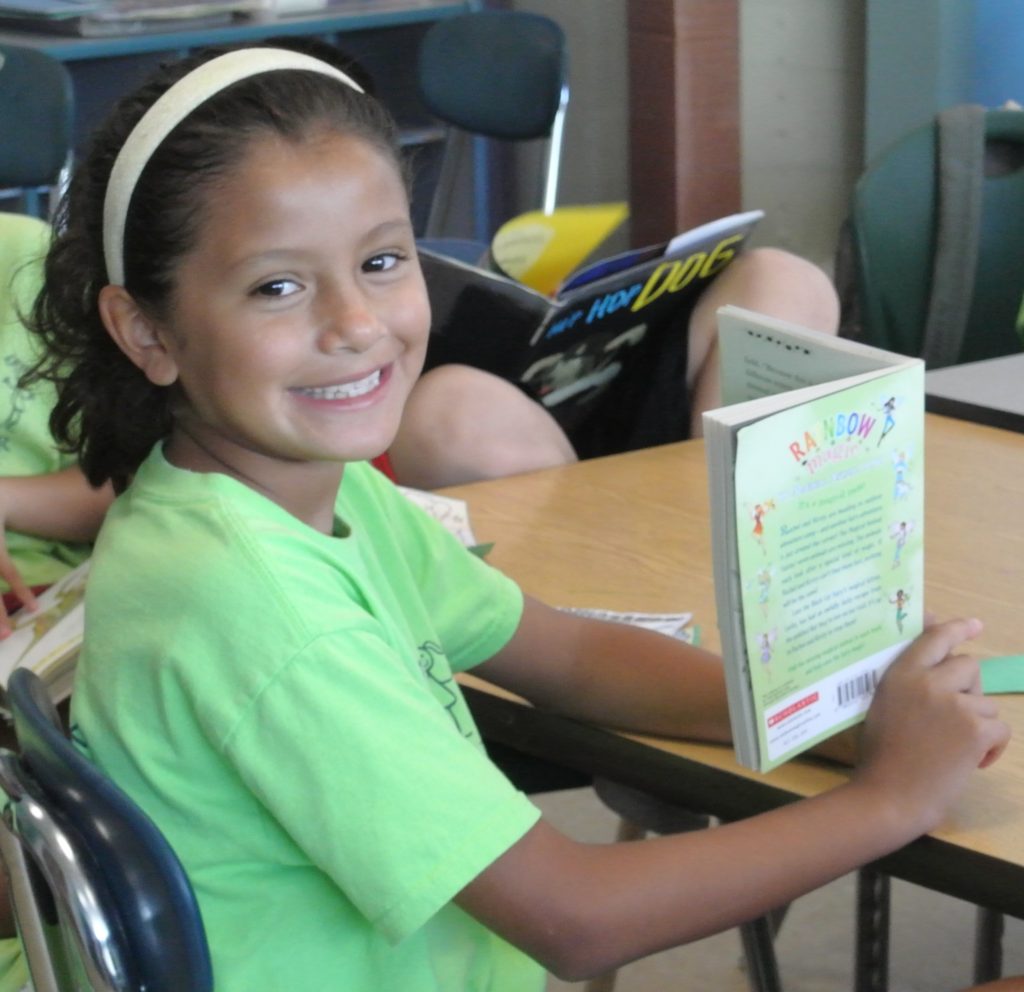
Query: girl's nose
x=348 y=321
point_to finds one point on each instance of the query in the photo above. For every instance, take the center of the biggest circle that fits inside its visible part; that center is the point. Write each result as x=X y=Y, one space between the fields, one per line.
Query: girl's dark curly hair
x=107 y=411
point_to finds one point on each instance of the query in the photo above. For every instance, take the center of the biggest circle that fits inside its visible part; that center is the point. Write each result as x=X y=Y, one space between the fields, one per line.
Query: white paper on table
x=673 y=624
x=452 y=513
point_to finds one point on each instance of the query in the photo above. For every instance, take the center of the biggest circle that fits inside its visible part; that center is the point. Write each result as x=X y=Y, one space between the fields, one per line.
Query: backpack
x=930 y=261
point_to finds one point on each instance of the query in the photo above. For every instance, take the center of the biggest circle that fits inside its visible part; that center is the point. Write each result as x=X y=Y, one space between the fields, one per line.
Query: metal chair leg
x=988 y=945
x=871 y=965
x=758 y=937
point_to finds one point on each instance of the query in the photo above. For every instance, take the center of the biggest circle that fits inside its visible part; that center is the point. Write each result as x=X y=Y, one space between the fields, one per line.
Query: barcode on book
x=855 y=688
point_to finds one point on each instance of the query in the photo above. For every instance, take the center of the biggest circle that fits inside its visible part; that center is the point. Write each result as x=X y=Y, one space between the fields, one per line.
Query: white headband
x=170 y=110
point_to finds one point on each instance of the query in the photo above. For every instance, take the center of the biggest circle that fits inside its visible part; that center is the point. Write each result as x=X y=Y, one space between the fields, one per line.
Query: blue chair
x=500 y=75
x=101 y=900
x=36 y=107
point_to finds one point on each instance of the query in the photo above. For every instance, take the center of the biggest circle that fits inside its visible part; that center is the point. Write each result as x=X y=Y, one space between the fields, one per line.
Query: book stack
x=103 y=18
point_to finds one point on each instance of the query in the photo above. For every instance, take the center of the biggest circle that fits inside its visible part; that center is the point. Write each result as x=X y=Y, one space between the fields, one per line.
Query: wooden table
x=631 y=532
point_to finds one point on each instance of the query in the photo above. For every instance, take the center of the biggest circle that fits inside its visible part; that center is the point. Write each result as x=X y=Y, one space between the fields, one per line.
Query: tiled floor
x=931 y=940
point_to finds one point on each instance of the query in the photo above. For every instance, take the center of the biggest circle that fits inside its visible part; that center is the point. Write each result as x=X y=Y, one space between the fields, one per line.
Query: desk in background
x=988 y=392
x=631 y=532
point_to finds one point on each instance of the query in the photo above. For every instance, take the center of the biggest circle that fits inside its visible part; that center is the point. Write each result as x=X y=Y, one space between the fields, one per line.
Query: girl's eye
x=383 y=262
x=278 y=287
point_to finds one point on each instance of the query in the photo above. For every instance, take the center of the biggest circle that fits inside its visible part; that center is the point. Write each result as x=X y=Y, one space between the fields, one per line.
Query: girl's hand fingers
x=958 y=673
x=17 y=585
x=939 y=641
x=995 y=752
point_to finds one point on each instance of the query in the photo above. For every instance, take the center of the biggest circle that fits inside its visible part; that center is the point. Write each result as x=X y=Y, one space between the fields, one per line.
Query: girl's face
x=300 y=318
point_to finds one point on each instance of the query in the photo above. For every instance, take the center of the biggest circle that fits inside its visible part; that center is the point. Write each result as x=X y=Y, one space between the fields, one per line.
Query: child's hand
x=929 y=726
x=8 y=572
x=17 y=585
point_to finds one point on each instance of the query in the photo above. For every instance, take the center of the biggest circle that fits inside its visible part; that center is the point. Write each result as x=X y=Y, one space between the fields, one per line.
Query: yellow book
x=541 y=250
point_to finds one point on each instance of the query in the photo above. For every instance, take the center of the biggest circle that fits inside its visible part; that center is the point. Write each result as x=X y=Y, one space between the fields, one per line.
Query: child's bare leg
x=767 y=280
x=461 y=424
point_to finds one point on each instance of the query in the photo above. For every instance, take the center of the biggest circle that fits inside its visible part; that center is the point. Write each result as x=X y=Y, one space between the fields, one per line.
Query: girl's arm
x=623 y=677
x=581 y=909
x=612 y=674
x=60 y=506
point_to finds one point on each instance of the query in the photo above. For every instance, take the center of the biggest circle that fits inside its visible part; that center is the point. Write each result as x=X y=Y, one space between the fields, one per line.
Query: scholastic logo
x=800 y=704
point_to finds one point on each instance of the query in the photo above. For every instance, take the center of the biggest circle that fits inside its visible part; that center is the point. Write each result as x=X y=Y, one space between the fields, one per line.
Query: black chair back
x=36 y=108
x=496 y=74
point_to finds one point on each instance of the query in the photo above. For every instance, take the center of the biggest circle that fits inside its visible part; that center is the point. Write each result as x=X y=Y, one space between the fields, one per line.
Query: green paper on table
x=1002 y=675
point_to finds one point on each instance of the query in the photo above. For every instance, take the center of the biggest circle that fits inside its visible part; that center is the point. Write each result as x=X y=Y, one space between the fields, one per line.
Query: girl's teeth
x=347 y=390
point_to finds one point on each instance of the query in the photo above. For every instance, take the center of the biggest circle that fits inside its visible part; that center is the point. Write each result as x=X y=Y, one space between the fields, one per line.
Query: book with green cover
x=816 y=475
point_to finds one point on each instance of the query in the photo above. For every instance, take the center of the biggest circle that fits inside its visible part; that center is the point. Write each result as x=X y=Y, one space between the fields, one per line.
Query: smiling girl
x=236 y=318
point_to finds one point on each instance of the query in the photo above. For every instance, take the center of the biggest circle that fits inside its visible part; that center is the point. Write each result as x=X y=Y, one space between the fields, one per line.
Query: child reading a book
x=463 y=424
x=235 y=318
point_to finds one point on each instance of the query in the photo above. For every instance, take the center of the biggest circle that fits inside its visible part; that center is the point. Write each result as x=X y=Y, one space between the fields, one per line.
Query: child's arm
x=581 y=909
x=60 y=506
x=613 y=674
x=664 y=686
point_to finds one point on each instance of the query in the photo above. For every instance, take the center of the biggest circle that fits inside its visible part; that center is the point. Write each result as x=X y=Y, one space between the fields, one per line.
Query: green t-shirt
x=281 y=702
x=13 y=970
x=26 y=446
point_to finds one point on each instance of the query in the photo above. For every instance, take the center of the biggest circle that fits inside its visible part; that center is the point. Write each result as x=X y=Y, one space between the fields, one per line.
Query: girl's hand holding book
x=930 y=727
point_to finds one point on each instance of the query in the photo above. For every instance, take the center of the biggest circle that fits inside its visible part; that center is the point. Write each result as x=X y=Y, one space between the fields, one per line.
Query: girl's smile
x=352 y=390
x=299 y=319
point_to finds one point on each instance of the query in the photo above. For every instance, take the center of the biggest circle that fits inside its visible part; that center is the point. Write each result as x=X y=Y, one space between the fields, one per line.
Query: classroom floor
x=931 y=943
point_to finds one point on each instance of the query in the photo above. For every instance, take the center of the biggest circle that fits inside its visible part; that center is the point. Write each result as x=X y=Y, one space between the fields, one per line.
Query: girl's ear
x=137 y=335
